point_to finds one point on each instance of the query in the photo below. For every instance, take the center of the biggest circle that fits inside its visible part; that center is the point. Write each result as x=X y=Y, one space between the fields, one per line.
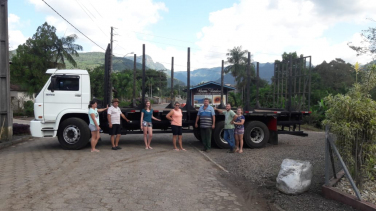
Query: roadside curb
x=332 y=193
x=14 y=141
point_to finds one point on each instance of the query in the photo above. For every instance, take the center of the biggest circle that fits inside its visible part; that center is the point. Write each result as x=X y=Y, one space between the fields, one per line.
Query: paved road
x=39 y=175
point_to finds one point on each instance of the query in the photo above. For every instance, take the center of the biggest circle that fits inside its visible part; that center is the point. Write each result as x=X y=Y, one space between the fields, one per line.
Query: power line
x=95 y=9
x=88 y=11
x=79 y=4
x=73 y=25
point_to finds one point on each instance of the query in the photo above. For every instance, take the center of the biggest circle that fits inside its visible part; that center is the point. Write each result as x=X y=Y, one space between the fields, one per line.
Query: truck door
x=64 y=92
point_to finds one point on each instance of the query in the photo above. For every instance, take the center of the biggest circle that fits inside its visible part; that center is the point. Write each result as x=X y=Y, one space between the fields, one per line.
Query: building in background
x=18 y=97
x=210 y=90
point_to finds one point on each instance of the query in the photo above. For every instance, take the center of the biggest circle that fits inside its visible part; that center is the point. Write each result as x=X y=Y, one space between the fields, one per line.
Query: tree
x=65 y=48
x=238 y=63
x=369 y=43
x=334 y=77
x=238 y=66
x=38 y=54
x=97 y=82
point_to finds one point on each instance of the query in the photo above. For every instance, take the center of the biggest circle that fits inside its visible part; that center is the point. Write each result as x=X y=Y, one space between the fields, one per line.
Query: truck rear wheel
x=73 y=133
x=217 y=136
x=256 y=134
x=197 y=133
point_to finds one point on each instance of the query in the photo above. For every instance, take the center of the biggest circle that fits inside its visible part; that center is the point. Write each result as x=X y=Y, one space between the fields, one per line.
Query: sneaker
x=207 y=151
x=114 y=148
x=117 y=147
x=231 y=151
x=204 y=150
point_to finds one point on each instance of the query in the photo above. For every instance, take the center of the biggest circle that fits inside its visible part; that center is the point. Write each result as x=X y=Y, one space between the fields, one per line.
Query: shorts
x=147 y=124
x=239 y=131
x=176 y=130
x=115 y=130
x=92 y=128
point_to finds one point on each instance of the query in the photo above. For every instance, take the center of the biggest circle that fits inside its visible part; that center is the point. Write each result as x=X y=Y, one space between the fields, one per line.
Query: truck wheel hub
x=71 y=134
x=257 y=135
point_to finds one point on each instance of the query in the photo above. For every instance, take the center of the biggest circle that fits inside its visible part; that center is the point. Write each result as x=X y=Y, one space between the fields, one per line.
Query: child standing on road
x=94 y=123
x=146 y=125
x=176 y=118
x=239 y=130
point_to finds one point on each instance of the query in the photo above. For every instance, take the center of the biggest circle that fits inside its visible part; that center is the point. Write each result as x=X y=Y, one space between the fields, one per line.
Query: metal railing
x=333 y=161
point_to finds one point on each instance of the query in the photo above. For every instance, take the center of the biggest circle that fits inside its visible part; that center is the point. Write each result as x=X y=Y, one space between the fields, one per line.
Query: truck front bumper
x=40 y=129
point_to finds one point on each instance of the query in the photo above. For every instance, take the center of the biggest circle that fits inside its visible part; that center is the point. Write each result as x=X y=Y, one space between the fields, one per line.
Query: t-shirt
x=206 y=116
x=177 y=117
x=229 y=115
x=239 y=119
x=95 y=112
x=147 y=115
x=115 y=114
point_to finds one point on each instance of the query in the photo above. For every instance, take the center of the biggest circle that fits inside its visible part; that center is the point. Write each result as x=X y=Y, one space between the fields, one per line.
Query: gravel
x=255 y=171
x=368 y=193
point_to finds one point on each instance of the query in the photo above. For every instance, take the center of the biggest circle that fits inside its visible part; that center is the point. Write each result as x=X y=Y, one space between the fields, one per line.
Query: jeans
x=206 y=137
x=229 y=137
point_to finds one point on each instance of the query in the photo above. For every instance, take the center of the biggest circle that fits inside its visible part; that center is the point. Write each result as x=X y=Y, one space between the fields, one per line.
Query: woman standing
x=146 y=125
x=94 y=123
x=239 y=130
x=176 y=118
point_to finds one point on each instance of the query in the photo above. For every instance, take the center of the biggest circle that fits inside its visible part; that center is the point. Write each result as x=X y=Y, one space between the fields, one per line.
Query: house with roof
x=18 y=97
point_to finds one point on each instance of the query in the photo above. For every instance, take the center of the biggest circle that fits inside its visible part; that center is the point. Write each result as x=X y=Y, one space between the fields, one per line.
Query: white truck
x=61 y=108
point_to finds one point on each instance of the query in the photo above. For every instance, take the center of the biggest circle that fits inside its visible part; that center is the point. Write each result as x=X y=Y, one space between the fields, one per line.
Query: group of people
x=233 y=129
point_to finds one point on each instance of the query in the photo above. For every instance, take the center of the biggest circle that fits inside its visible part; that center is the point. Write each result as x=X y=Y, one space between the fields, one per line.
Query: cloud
x=15 y=35
x=95 y=18
x=266 y=28
x=269 y=28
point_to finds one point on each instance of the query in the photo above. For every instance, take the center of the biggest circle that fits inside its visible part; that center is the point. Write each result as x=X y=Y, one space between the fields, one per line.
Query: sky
x=318 y=28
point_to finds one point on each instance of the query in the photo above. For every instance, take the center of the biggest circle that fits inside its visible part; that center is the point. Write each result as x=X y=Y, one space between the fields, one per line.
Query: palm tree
x=64 y=48
x=237 y=59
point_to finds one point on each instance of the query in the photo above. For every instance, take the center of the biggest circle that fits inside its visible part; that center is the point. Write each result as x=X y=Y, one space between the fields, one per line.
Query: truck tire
x=217 y=136
x=256 y=134
x=197 y=133
x=73 y=134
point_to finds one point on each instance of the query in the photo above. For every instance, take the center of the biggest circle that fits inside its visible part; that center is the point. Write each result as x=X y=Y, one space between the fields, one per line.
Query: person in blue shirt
x=206 y=115
x=94 y=123
x=146 y=124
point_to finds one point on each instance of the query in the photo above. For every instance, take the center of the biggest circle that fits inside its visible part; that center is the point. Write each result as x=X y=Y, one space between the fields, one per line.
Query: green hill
x=91 y=60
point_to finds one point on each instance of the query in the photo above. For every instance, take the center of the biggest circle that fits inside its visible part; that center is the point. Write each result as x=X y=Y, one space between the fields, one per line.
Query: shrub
x=352 y=118
x=29 y=108
x=124 y=104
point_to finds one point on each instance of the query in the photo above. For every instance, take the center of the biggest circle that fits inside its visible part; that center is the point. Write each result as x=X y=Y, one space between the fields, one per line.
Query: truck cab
x=60 y=108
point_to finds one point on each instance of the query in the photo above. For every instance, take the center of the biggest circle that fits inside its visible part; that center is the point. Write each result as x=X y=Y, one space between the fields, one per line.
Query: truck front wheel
x=256 y=134
x=73 y=133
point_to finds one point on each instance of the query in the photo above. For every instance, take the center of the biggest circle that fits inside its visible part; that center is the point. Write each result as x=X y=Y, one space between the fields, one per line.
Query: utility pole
x=134 y=80
x=111 y=66
x=222 y=106
x=172 y=82
x=247 y=91
x=6 y=125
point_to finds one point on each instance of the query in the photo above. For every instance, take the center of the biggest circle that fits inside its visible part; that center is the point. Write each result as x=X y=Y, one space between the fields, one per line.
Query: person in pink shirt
x=176 y=118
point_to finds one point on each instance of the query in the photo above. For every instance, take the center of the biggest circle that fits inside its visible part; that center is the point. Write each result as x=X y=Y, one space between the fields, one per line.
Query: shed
x=210 y=90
